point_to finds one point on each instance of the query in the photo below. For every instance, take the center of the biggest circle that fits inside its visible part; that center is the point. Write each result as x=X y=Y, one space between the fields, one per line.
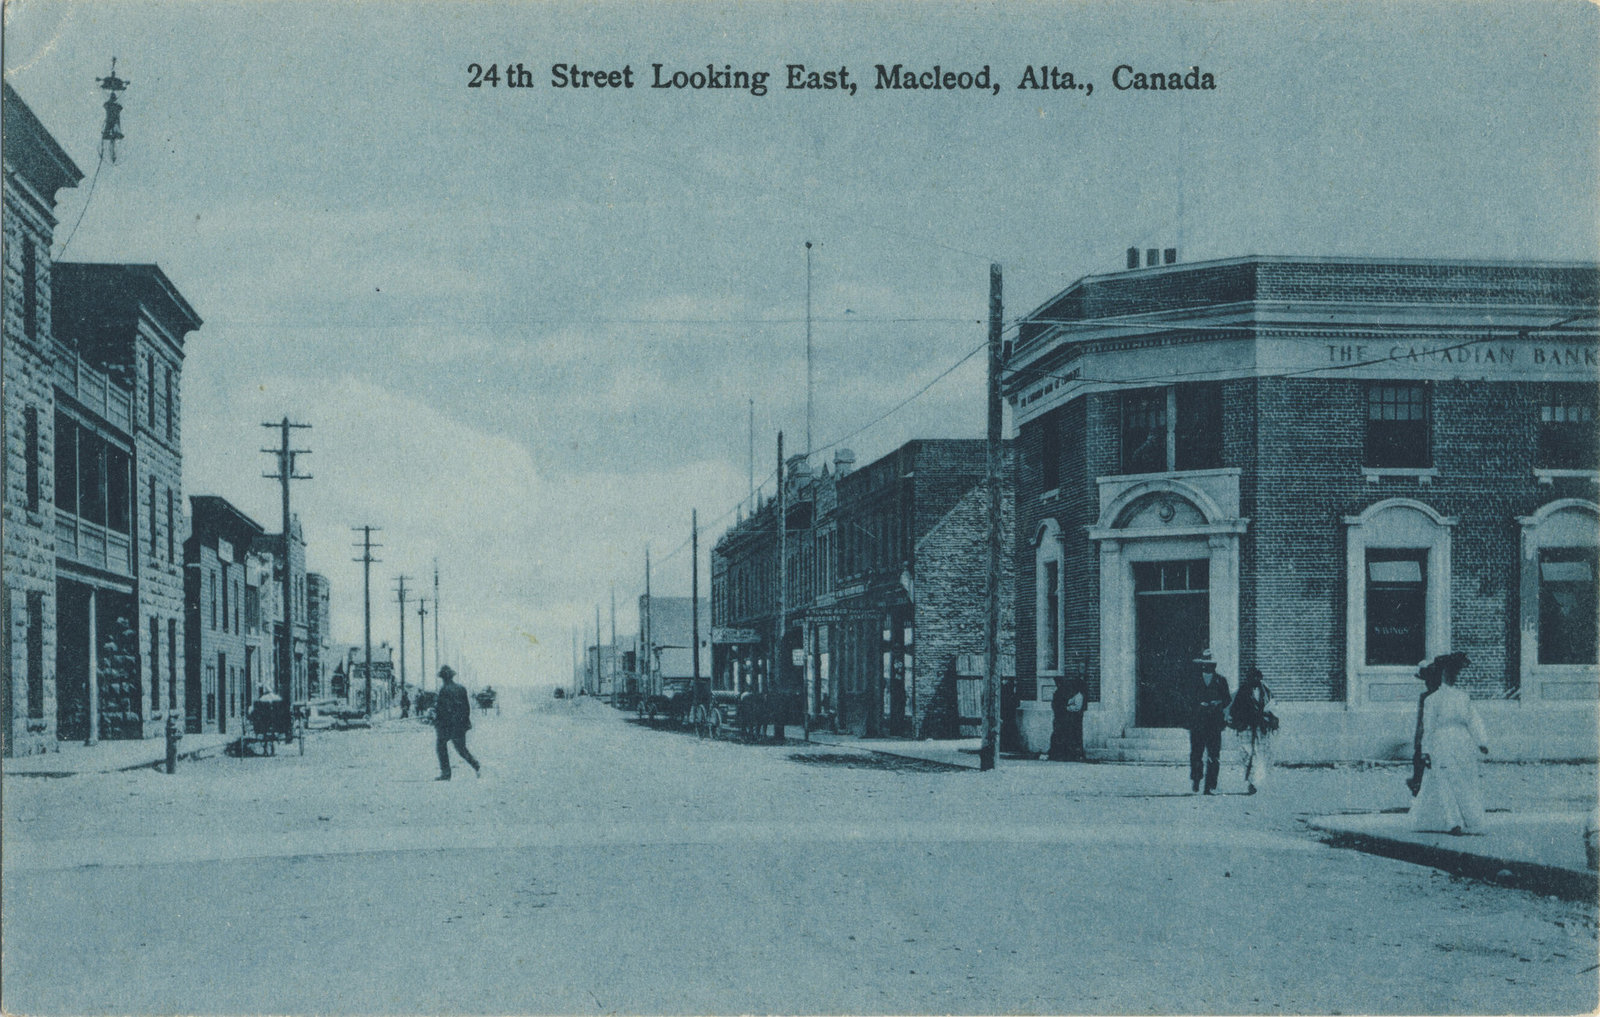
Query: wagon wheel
x=714 y=722
x=698 y=719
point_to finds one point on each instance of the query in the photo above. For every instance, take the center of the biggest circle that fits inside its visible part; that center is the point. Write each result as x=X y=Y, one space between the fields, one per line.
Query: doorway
x=1172 y=624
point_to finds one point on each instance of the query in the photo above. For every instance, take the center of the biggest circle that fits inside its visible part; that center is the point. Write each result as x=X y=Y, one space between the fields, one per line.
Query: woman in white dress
x=1452 y=740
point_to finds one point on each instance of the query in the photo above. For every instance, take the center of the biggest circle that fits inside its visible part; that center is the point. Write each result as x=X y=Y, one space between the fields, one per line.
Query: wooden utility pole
x=438 y=646
x=286 y=473
x=401 y=594
x=615 y=693
x=808 y=350
x=694 y=595
x=649 y=632
x=782 y=526
x=598 y=680
x=367 y=561
x=991 y=619
x=422 y=632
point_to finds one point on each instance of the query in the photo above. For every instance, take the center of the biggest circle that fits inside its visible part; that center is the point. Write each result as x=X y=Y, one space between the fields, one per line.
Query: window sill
x=1550 y=476
x=1424 y=474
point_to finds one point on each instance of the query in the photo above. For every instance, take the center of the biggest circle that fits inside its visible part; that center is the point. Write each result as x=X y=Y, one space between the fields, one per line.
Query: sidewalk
x=951 y=752
x=112 y=756
x=1538 y=851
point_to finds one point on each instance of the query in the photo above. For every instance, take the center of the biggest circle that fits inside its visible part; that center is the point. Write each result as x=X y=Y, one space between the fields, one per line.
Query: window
x=1050 y=637
x=1568 y=606
x=211 y=692
x=155 y=665
x=1197 y=427
x=150 y=390
x=30 y=426
x=1049 y=454
x=153 y=534
x=172 y=664
x=1144 y=431
x=168 y=403
x=30 y=289
x=35 y=640
x=211 y=583
x=236 y=599
x=225 y=591
x=66 y=465
x=1397 y=426
x=1048 y=608
x=119 y=490
x=172 y=529
x=1397 y=597
x=92 y=477
x=1174 y=428
x=1566 y=429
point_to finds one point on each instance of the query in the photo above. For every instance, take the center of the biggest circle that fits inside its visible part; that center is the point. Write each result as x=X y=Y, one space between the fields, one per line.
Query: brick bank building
x=1330 y=469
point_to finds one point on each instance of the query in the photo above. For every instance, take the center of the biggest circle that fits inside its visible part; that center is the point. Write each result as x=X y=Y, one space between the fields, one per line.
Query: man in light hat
x=1208 y=699
x=452 y=719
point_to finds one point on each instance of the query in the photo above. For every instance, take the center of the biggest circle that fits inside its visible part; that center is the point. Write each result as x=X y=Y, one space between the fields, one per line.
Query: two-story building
x=219 y=651
x=288 y=676
x=1332 y=469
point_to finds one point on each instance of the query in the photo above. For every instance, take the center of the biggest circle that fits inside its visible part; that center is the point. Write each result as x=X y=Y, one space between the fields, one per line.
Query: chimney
x=1170 y=256
x=844 y=461
x=1133 y=257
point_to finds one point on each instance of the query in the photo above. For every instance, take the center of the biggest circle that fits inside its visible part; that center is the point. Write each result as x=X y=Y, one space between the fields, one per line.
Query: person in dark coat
x=1066 y=732
x=405 y=703
x=452 y=719
x=1208 y=707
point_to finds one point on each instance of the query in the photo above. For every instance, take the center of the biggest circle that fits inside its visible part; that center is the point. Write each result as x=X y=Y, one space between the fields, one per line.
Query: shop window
x=1397 y=599
x=1397 y=427
x=1567 y=429
x=35 y=639
x=1568 y=606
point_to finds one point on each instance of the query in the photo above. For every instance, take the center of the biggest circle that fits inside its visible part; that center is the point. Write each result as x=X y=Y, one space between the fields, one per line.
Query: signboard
x=797 y=656
x=225 y=551
x=722 y=636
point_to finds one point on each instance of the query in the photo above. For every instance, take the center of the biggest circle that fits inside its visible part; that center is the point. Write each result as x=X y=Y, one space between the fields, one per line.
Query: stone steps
x=1145 y=745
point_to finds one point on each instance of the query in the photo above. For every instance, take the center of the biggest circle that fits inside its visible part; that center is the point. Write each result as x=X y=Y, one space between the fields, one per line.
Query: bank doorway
x=1172 y=624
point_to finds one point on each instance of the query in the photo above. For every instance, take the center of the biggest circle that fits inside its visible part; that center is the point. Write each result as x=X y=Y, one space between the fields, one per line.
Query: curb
x=1547 y=880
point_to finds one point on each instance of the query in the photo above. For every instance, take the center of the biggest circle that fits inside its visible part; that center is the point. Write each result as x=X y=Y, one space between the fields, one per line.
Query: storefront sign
x=725 y=636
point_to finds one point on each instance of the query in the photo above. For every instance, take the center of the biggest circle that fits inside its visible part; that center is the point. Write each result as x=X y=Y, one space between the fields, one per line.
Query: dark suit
x=1208 y=704
x=452 y=719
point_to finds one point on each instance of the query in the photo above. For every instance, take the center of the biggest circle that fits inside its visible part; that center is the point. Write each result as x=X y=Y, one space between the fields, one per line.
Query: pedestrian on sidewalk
x=1208 y=707
x=1255 y=725
x=1066 y=731
x=1451 y=729
x=1430 y=675
x=452 y=719
x=405 y=703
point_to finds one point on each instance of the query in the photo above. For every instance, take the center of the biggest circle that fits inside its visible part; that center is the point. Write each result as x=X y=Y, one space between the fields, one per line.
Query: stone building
x=1331 y=469
x=36 y=167
x=886 y=570
x=218 y=649
x=318 y=641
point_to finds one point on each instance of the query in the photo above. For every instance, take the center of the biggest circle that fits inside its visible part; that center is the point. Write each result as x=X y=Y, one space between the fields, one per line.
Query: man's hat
x=1206 y=658
x=447 y=672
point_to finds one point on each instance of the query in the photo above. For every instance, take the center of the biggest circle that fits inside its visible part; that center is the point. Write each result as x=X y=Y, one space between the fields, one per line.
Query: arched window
x=1398 y=569
x=1559 y=603
x=1049 y=608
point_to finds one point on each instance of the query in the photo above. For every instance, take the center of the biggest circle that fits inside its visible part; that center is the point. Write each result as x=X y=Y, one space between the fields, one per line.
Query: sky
x=531 y=327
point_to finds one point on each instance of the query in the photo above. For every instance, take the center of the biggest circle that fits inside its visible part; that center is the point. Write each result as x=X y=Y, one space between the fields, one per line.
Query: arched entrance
x=1169 y=588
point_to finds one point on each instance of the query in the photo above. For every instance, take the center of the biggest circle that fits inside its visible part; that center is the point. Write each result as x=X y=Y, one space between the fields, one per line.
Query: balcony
x=93 y=388
x=91 y=544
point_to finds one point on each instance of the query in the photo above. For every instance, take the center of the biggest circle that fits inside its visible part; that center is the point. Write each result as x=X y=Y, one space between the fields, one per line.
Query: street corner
x=1543 y=852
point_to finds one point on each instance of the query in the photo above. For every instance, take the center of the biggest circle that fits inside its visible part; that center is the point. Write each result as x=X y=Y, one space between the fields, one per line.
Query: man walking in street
x=1208 y=705
x=452 y=718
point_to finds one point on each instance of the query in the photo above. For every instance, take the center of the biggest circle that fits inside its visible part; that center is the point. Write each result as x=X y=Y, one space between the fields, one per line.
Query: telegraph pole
x=991 y=619
x=597 y=673
x=286 y=473
x=649 y=633
x=437 y=645
x=808 y=351
x=422 y=633
x=367 y=561
x=614 y=693
x=694 y=600
x=778 y=685
x=401 y=594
